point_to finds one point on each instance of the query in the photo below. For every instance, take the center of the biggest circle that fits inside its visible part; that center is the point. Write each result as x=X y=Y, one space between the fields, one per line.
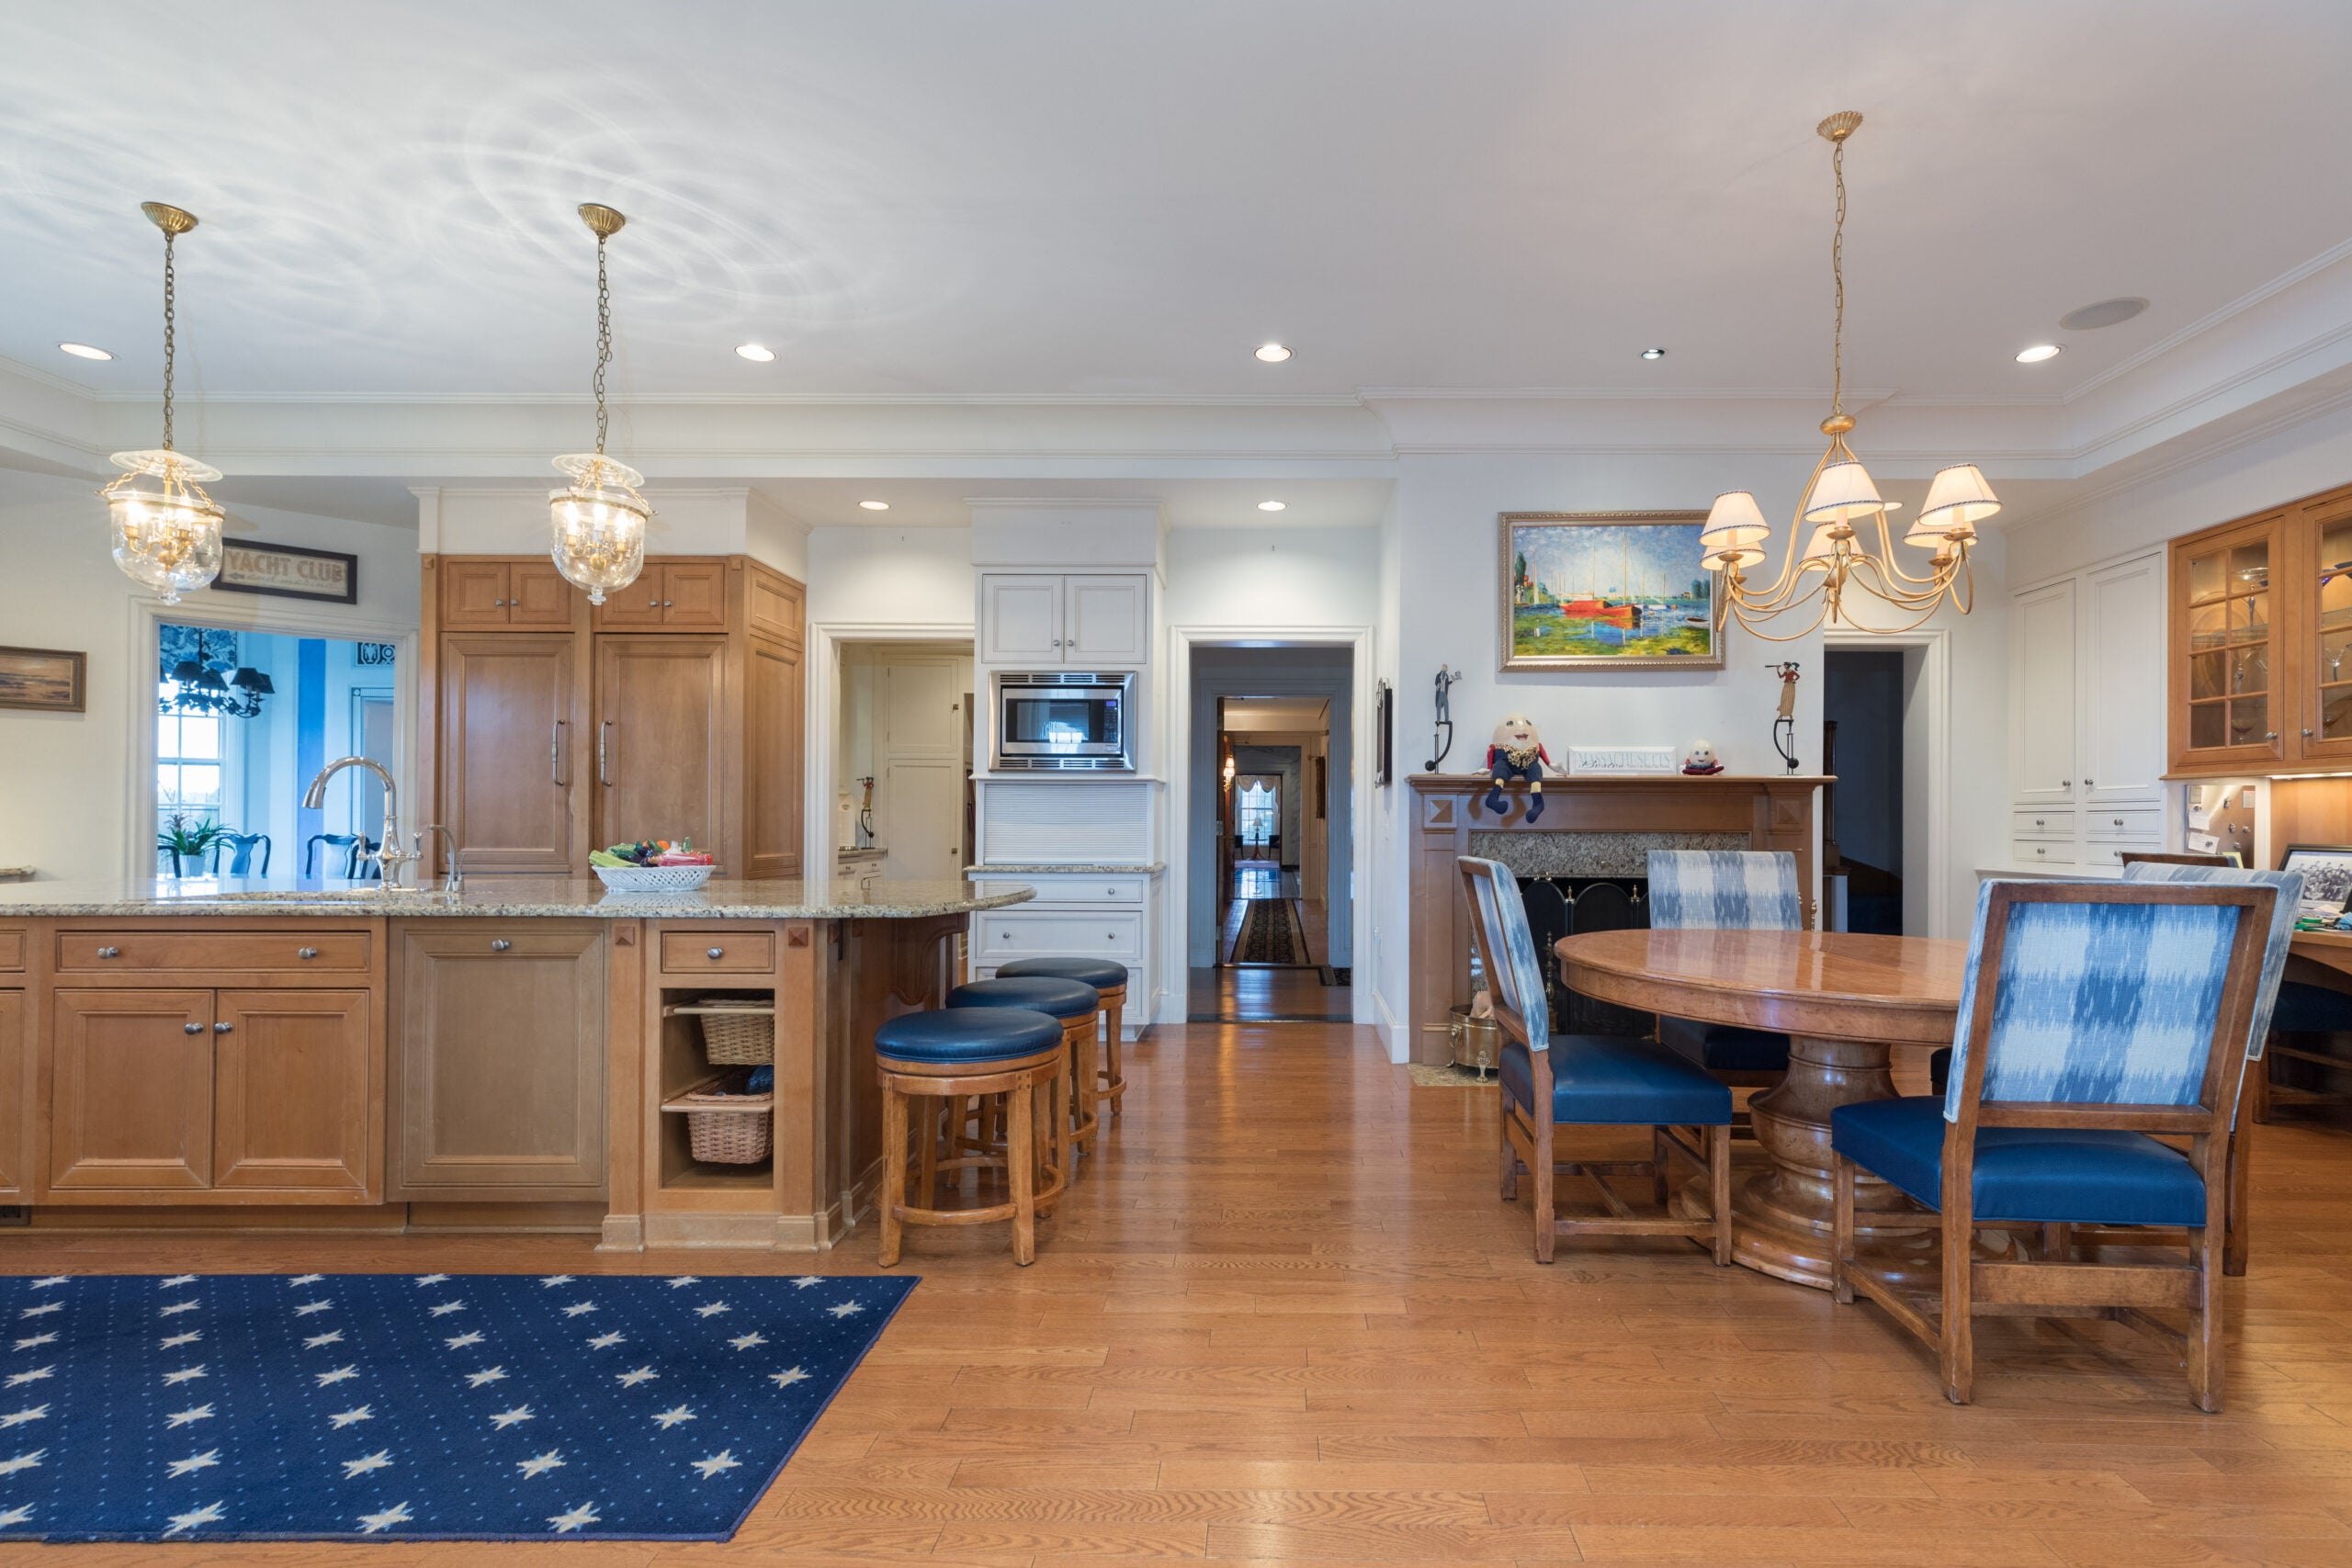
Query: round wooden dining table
x=1844 y=1001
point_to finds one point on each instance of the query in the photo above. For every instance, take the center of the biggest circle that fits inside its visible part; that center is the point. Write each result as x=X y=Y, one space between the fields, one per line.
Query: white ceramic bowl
x=654 y=878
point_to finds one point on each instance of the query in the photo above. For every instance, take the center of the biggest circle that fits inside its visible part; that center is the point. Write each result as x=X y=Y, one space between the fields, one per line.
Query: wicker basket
x=727 y=1129
x=654 y=878
x=736 y=1036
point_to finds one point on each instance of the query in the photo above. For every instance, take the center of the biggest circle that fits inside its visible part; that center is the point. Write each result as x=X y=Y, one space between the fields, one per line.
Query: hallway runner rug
x=415 y=1406
x=1271 y=935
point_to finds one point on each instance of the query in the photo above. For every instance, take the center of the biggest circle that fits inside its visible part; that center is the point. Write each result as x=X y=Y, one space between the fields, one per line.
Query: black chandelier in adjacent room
x=198 y=687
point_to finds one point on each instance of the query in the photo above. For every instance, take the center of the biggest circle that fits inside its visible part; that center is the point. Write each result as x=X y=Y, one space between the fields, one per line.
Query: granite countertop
x=1077 y=868
x=836 y=900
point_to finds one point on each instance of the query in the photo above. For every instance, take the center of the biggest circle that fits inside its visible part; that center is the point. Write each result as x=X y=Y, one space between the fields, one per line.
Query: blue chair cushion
x=1063 y=999
x=2028 y=1175
x=1102 y=973
x=1724 y=1047
x=2312 y=1010
x=976 y=1036
x=1611 y=1080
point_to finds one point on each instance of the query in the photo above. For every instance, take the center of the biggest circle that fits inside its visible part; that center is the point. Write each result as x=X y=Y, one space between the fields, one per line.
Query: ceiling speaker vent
x=2106 y=313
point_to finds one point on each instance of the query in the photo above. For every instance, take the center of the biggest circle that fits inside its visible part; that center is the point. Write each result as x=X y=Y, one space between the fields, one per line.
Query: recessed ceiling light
x=84 y=351
x=758 y=354
x=1653 y=354
x=875 y=505
x=1270 y=506
x=2037 y=353
x=1272 y=353
x=2106 y=313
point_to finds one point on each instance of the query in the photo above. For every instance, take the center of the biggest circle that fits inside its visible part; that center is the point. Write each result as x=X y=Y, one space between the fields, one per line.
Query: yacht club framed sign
x=288 y=571
x=1607 y=591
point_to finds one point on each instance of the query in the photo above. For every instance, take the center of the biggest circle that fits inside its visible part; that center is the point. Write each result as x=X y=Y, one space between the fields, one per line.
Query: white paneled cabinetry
x=1036 y=620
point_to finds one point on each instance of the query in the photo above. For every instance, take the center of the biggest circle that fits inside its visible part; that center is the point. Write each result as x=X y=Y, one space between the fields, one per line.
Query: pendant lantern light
x=166 y=531
x=598 y=520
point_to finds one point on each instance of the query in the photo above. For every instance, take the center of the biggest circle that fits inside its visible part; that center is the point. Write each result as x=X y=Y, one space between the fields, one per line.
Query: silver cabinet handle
x=109 y=952
x=2307 y=735
x=2270 y=735
x=306 y=953
x=669 y=603
x=714 y=954
x=222 y=1028
x=2066 y=783
x=555 y=752
x=2118 y=821
x=602 y=776
x=2089 y=782
x=191 y=1029
x=500 y=944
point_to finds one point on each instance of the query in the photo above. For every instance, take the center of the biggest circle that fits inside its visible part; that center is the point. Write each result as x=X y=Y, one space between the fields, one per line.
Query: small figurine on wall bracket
x=1517 y=753
x=1702 y=758
x=1784 y=725
x=1442 y=742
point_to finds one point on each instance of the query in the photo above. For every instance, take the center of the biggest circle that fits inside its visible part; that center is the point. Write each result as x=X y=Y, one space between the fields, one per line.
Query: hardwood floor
x=1283 y=1318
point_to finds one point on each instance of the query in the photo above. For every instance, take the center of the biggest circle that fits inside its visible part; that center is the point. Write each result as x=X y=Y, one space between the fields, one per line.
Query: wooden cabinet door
x=1104 y=620
x=16 y=1018
x=538 y=596
x=2122 y=695
x=637 y=608
x=507 y=751
x=296 y=1091
x=498 y=1072
x=774 y=751
x=2229 y=676
x=694 y=596
x=774 y=606
x=661 y=730
x=131 y=1092
x=473 y=592
x=2041 y=687
x=2320 y=561
x=1020 y=619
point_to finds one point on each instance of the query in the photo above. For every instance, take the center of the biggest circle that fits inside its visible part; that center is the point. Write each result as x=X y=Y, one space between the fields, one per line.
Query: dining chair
x=1550 y=1081
x=1725 y=890
x=357 y=848
x=2092 y=1017
x=241 y=847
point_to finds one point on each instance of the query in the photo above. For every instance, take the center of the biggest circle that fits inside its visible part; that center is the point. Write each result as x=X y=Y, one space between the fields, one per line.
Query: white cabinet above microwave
x=1034 y=619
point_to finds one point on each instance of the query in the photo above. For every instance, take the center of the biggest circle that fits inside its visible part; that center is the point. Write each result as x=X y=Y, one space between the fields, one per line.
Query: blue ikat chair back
x=2289 y=884
x=1515 y=973
x=2096 y=1003
x=1748 y=890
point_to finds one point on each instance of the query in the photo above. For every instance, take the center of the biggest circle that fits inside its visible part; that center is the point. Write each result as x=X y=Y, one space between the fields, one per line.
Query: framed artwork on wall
x=1606 y=590
x=2327 y=877
x=45 y=680
x=1384 y=725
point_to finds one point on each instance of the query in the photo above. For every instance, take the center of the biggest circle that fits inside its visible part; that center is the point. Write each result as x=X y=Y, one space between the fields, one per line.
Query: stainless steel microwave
x=1065 y=719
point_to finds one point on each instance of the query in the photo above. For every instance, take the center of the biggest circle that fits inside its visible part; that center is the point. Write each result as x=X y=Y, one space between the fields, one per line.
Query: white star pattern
x=307 y=1308
x=445 y=1308
x=18 y=1417
x=372 y=1524
x=672 y=1417
x=681 y=1280
x=343 y=1418
x=341 y=1374
x=787 y=1376
x=182 y=1417
x=22 y=1461
x=555 y=1280
x=17 y=1516
x=805 y=1280
x=745 y=1341
x=565 y=1523
x=302 y=1280
x=723 y=1460
x=606 y=1341
x=847 y=1309
x=487 y=1376
x=211 y=1514
x=195 y=1462
x=17 y=1379
x=43 y=1284
x=710 y=1309
x=576 y=1308
x=433 y=1278
x=552 y=1459
x=332 y=1337
x=353 y=1469
x=643 y=1374
x=175 y=1281
x=471 y=1336
x=178 y=1307
x=36 y=1339
x=174 y=1341
x=44 y=1310
x=506 y=1418
x=185 y=1374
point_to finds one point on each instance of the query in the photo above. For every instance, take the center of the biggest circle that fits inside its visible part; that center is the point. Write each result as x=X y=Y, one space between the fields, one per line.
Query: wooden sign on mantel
x=1604 y=762
x=288 y=571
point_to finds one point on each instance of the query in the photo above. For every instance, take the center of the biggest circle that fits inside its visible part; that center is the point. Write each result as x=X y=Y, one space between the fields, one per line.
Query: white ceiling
x=1065 y=197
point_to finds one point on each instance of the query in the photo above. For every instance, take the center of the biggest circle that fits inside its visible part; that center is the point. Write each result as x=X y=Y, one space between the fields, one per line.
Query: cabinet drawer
x=717 y=953
x=2043 y=824
x=12 y=950
x=1043 y=933
x=1063 y=887
x=2142 y=824
x=2030 y=851
x=204 y=952
x=2113 y=853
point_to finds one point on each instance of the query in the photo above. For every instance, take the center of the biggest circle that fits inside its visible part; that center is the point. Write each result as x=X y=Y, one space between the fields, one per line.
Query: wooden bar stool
x=1109 y=979
x=1075 y=1005
x=929 y=1056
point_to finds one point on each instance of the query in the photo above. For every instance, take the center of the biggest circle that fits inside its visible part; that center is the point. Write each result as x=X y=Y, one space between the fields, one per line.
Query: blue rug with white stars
x=413 y=1407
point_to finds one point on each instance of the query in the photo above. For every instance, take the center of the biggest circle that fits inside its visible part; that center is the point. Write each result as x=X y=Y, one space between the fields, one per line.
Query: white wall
x=1296 y=577
x=894 y=577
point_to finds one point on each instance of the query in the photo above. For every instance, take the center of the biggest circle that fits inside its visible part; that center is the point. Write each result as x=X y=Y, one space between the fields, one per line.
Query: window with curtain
x=1258 y=808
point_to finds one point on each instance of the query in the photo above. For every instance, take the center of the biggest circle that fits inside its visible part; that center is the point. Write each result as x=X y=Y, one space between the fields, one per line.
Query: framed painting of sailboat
x=1607 y=591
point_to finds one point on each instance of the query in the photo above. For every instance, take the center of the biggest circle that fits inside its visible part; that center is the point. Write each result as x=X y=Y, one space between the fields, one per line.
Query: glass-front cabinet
x=2325 y=727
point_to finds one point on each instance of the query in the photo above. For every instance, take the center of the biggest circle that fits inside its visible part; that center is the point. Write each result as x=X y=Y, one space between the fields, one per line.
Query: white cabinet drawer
x=1043 y=933
x=2142 y=824
x=1062 y=887
x=2043 y=824
x=2113 y=853
x=2030 y=851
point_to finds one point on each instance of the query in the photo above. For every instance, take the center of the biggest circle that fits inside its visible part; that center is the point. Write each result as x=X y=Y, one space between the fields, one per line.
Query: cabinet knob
x=669 y=603
x=2270 y=735
x=191 y=1029
x=2118 y=821
x=109 y=952
x=500 y=944
x=222 y=1028
x=2066 y=783
x=714 y=954
x=2088 y=783
x=2307 y=735
x=306 y=953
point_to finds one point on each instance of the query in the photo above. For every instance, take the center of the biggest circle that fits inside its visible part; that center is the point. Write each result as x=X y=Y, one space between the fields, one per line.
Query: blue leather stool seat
x=1102 y=973
x=1063 y=999
x=1610 y=1080
x=1724 y=1047
x=2312 y=1010
x=2028 y=1175
x=978 y=1036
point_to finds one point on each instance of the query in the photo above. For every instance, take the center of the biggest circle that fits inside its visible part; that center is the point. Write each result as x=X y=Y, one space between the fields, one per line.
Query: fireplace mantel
x=1763 y=811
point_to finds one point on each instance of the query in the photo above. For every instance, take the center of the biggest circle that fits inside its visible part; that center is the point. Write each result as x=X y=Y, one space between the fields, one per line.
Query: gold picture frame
x=44 y=679
x=1651 y=605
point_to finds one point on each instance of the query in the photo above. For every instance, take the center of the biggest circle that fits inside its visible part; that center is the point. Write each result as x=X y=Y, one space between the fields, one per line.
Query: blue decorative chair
x=241 y=847
x=357 y=848
x=1550 y=1081
x=2095 y=1018
x=1725 y=890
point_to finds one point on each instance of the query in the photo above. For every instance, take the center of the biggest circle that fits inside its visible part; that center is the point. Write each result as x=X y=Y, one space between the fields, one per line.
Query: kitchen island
x=227 y=1054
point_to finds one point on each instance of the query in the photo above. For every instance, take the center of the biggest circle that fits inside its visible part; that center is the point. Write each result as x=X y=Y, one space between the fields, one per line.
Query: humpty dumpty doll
x=1517 y=753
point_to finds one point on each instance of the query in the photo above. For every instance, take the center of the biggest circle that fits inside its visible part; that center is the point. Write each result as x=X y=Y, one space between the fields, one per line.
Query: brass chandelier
x=599 y=519
x=166 y=531
x=1839 y=495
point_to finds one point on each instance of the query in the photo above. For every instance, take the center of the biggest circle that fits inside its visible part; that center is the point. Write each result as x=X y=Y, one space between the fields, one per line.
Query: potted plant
x=182 y=841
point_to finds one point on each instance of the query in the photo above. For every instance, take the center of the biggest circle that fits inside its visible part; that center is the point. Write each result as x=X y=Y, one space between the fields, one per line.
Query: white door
x=918 y=750
x=1020 y=620
x=925 y=801
x=2042 y=686
x=2123 y=681
x=1105 y=621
